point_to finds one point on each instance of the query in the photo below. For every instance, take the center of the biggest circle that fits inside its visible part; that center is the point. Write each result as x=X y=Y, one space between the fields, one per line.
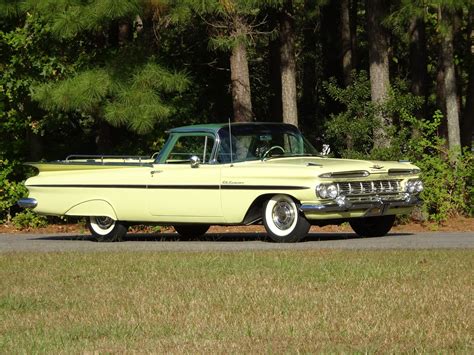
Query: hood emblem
x=376 y=166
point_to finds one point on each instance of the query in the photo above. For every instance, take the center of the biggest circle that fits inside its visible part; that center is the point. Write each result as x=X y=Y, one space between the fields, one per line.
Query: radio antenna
x=230 y=143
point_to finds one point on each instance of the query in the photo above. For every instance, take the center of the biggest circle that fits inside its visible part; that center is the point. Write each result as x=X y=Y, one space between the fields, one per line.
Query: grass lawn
x=299 y=301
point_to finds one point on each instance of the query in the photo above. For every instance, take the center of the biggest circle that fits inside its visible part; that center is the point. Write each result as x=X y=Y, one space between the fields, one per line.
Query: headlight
x=419 y=186
x=414 y=186
x=322 y=191
x=327 y=191
x=332 y=191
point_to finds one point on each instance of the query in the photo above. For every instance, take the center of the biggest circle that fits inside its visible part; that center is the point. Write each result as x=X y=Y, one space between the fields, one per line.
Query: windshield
x=255 y=142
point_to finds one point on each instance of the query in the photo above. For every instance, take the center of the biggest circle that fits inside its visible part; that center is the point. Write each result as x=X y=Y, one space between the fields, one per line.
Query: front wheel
x=106 y=229
x=282 y=220
x=372 y=226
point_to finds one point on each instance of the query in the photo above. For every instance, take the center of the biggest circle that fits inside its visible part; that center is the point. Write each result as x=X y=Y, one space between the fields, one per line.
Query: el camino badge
x=227 y=182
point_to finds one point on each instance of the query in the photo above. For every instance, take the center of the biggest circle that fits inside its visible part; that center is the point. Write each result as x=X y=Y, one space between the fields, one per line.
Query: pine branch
x=83 y=92
x=138 y=110
x=153 y=76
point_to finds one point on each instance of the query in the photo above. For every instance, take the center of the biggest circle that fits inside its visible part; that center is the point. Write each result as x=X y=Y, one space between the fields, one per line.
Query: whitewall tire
x=283 y=221
x=106 y=229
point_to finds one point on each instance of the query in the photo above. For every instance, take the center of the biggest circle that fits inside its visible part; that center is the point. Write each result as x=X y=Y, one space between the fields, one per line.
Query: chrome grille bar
x=354 y=188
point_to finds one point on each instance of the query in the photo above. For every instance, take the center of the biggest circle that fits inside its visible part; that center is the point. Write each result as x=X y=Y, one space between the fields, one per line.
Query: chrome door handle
x=153 y=172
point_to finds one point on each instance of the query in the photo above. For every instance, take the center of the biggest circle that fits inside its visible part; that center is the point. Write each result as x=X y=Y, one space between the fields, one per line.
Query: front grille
x=355 y=188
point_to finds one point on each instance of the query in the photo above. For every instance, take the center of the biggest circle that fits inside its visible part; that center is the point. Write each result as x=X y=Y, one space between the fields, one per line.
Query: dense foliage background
x=373 y=78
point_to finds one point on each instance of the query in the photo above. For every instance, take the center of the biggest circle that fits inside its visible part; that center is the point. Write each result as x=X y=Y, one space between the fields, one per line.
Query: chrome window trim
x=174 y=136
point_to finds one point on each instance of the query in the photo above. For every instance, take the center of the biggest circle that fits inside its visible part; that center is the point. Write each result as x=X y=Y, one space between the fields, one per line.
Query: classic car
x=227 y=174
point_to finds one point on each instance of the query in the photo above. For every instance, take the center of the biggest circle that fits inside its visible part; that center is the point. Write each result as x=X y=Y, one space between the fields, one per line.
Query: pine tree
x=408 y=21
x=449 y=82
x=346 y=41
x=288 y=64
x=468 y=114
x=379 y=68
x=125 y=83
x=231 y=26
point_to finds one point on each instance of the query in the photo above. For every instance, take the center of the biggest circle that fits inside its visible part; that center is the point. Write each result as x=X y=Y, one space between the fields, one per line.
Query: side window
x=187 y=146
x=241 y=149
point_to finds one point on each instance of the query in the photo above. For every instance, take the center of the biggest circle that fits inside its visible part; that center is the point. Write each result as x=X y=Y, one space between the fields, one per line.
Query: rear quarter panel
x=61 y=192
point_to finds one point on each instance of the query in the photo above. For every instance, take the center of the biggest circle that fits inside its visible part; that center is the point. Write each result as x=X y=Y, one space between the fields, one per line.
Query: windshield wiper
x=301 y=155
x=290 y=156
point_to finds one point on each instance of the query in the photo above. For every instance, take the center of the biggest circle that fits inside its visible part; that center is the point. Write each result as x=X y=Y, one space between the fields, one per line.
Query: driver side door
x=179 y=191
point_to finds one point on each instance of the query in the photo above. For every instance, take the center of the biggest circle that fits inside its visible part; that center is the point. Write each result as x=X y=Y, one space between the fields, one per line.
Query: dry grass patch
x=375 y=301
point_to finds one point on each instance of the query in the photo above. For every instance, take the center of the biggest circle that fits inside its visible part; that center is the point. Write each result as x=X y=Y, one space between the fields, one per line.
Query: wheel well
x=254 y=213
x=92 y=208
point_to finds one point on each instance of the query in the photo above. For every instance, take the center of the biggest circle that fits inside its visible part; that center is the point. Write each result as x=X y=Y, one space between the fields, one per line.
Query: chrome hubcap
x=283 y=215
x=104 y=222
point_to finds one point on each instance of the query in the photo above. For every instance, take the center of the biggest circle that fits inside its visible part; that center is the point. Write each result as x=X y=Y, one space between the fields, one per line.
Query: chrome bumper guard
x=27 y=203
x=375 y=207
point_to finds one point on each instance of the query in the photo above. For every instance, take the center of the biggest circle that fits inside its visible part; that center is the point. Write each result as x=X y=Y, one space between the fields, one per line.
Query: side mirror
x=195 y=161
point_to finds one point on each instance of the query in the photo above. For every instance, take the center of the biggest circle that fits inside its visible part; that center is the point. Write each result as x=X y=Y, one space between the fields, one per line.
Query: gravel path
x=232 y=242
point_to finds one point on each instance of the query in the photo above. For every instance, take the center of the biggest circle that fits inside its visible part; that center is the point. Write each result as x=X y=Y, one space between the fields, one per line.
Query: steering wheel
x=270 y=149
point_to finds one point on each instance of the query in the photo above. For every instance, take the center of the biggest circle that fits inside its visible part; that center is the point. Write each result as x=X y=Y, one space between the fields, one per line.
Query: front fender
x=92 y=208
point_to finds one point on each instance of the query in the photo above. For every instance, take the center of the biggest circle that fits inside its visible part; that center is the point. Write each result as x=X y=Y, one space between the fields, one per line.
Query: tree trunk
x=274 y=71
x=309 y=118
x=288 y=65
x=449 y=82
x=103 y=139
x=36 y=145
x=123 y=33
x=468 y=116
x=353 y=23
x=330 y=39
x=441 y=99
x=346 y=42
x=418 y=62
x=347 y=59
x=379 y=68
x=239 y=73
x=308 y=107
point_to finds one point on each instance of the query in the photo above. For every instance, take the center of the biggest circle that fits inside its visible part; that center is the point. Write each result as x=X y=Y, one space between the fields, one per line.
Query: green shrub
x=10 y=190
x=350 y=131
x=28 y=219
x=448 y=175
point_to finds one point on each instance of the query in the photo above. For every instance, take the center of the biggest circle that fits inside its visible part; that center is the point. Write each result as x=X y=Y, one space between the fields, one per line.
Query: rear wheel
x=283 y=222
x=106 y=229
x=372 y=226
x=191 y=231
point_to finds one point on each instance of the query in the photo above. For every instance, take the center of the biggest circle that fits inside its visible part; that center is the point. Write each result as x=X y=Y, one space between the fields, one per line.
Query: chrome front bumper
x=375 y=207
x=27 y=203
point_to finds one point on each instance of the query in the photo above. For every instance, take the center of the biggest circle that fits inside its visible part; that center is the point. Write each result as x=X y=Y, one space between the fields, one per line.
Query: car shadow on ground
x=213 y=237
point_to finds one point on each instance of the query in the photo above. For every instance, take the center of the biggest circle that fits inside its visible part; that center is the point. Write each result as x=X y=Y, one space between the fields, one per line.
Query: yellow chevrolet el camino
x=221 y=174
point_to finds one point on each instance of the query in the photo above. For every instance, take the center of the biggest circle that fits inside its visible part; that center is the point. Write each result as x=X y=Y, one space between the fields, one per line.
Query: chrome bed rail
x=94 y=158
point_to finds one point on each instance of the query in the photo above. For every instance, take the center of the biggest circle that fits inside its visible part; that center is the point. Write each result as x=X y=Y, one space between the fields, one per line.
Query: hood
x=332 y=165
